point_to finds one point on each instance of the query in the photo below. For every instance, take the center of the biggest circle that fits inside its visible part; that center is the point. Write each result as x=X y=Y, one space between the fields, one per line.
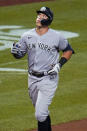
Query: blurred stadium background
x=15 y=2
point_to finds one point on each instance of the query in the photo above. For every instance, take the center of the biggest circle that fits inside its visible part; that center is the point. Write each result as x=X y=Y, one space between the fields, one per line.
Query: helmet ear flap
x=45 y=22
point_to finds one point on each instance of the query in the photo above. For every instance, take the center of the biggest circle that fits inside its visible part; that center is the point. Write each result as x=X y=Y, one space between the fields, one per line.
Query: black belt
x=38 y=74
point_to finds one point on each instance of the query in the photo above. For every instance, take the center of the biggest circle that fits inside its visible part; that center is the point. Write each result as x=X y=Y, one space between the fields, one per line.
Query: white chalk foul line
x=12 y=73
x=10 y=27
x=15 y=62
x=13 y=70
x=8 y=38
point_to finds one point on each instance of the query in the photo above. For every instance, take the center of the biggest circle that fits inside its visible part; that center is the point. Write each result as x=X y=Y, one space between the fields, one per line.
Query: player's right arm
x=19 y=49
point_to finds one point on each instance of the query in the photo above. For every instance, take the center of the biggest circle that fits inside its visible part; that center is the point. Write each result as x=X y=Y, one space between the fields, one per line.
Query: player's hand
x=15 y=48
x=17 y=51
x=55 y=70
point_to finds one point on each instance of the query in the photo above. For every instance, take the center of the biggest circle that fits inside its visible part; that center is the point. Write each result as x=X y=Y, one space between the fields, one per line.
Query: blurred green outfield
x=70 y=101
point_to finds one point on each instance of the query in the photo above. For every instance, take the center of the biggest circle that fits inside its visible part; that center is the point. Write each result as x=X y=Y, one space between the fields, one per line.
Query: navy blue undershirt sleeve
x=69 y=48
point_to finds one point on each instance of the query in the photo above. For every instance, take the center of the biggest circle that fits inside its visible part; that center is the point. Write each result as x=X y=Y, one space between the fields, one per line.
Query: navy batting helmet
x=48 y=13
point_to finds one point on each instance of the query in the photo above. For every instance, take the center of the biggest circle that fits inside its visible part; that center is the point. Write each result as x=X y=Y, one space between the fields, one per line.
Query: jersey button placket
x=35 y=59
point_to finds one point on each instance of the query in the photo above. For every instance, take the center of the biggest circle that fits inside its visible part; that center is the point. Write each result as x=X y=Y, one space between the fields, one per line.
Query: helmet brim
x=43 y=12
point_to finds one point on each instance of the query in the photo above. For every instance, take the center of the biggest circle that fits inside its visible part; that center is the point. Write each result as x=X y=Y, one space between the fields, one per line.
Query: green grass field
x=70 y=101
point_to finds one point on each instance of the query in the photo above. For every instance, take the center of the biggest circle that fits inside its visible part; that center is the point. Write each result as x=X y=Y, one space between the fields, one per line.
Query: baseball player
x=43 y=44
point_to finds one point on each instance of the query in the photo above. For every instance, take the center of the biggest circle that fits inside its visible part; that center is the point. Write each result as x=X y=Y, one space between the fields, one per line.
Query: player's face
x=40 y=16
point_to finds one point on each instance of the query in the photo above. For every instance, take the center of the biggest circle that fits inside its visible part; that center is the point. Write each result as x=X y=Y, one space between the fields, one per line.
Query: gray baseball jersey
x=43 y=51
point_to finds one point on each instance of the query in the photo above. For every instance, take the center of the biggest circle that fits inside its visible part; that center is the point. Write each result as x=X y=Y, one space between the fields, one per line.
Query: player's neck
x=41 y=30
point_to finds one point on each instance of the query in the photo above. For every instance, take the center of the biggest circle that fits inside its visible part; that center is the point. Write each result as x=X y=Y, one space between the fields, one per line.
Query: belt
x=38 y=74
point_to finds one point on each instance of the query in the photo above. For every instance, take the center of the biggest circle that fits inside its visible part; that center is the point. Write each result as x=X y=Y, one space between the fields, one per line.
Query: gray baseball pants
x=41 y=91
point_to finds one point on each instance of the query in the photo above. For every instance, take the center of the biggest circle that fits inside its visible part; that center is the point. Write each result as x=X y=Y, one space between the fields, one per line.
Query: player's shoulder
x=55 y=32
x=29 y=32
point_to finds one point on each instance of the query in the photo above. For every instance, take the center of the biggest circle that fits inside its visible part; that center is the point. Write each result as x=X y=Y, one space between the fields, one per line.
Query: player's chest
x=41 y=43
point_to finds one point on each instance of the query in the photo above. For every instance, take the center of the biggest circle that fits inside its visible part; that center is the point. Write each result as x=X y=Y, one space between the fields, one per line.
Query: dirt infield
x=80 y=125
x=16 y=2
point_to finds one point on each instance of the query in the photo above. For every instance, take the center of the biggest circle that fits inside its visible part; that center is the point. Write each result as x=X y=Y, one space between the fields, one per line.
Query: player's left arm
x=67 y=50
x=66 y=55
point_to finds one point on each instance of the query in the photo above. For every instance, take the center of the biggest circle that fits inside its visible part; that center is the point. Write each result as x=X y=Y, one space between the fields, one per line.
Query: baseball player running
x=43 y=44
